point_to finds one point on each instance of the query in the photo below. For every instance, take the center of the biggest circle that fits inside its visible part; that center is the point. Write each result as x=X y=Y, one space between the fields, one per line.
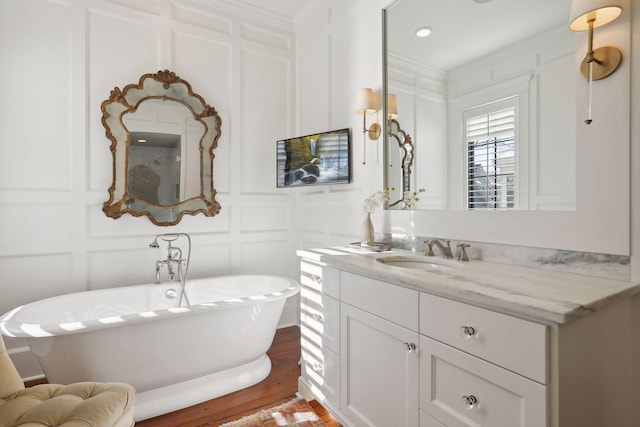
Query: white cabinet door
x=379 y=370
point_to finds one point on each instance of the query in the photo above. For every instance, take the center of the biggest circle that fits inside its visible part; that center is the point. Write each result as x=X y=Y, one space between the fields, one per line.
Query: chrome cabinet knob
x=470 y=401
x=410 y=346
x=317 y=317
x=467 y=331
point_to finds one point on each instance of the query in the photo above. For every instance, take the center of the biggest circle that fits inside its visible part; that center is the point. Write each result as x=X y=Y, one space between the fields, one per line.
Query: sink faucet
x=445 y=250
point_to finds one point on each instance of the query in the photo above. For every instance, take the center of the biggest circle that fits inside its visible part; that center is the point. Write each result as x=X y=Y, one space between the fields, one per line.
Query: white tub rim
x=12 y=328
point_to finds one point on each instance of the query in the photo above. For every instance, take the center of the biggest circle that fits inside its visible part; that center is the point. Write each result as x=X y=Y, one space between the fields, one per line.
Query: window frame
x=511 y=102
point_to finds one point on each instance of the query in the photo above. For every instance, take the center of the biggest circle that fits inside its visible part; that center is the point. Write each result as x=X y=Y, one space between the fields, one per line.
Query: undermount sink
x=419 y=262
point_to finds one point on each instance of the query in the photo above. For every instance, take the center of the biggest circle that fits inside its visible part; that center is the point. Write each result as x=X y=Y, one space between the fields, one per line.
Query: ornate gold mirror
x=399 y=155
x=162 y=140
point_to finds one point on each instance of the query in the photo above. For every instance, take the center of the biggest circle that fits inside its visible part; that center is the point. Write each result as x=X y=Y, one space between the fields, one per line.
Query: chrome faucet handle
x=430 y=248
x=462 y=251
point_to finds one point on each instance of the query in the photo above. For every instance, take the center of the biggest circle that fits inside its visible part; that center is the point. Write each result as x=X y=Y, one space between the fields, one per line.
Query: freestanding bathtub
x=174 y=356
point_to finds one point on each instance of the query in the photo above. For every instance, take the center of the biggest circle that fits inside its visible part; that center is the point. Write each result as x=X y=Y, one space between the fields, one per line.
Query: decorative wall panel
x=264 y=76
x=55 y=163
x=36 y=65
x=264 y=217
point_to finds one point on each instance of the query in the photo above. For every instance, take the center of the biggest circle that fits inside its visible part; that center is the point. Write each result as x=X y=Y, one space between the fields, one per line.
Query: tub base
x=170 y=398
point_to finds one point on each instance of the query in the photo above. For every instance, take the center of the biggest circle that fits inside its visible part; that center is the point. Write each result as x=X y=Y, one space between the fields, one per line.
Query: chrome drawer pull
x=316 y=278
x=317 y=368
x=467 y=331
x=317 y=317
x=470 y=401
x=410 y=346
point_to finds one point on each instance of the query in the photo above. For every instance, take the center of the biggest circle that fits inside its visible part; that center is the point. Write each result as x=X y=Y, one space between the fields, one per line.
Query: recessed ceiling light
x=423 y=32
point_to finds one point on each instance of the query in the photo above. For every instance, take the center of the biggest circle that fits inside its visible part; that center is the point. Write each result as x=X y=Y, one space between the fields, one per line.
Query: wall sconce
x=366 y=105
x=392 y=106
x=392 y=111
x=603 y=61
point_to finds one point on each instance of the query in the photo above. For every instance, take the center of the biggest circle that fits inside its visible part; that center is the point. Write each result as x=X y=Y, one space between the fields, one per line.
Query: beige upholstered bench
x=75 y=405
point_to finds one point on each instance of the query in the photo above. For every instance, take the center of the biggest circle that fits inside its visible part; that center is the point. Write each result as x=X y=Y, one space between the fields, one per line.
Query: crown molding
x=244 y=10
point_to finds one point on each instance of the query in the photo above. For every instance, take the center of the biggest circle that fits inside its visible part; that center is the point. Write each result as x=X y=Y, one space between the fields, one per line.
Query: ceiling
x=463 y=30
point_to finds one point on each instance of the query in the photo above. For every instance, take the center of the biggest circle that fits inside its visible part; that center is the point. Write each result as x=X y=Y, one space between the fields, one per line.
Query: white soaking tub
x=174 y=356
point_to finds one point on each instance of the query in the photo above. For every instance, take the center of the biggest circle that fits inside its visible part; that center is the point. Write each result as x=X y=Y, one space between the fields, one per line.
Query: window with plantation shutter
x=491 y=156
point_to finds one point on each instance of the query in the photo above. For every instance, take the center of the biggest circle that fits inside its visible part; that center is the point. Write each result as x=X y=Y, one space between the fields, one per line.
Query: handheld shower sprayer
x=168 y=237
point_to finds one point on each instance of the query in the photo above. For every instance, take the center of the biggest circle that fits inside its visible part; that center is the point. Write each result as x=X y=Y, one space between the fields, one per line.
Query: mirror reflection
x=154 y=167
x=488 y=99
x=163 y=136
x=400 y=159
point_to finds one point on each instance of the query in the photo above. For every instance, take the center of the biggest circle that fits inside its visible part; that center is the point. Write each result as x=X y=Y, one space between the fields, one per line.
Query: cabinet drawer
x=320 y=277
x=516 y=344
x=322 y=371
x=320 y=318
x=391 y=302
x=462 y=390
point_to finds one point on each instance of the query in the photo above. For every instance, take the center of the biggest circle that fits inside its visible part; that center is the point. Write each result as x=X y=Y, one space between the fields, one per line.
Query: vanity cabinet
x=390 y=353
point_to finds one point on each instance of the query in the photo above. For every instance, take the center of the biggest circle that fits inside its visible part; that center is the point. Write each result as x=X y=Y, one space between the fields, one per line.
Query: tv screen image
x=321 y=158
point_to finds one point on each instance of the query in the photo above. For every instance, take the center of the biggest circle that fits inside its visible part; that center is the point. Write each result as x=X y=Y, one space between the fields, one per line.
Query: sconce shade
x=584 y=10
x=365 y=104
x=392 y=106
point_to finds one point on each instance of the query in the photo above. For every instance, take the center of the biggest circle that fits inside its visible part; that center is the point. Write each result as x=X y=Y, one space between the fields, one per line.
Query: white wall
x=60 y=60
x=339 y=52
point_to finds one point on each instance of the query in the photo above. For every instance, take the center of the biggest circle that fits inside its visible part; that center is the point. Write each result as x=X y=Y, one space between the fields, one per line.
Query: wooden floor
x=279 y=387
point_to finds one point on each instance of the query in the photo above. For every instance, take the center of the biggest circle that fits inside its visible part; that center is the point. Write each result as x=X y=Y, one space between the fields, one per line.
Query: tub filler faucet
x=174 y=258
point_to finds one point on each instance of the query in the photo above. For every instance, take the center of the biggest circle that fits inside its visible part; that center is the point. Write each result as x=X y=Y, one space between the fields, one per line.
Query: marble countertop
x=538 y=294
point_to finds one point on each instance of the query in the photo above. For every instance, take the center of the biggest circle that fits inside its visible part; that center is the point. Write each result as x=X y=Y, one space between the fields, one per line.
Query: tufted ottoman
x=75 y=405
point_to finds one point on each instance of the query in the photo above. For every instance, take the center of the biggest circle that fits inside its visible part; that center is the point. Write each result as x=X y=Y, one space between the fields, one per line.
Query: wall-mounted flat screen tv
x=321 y=158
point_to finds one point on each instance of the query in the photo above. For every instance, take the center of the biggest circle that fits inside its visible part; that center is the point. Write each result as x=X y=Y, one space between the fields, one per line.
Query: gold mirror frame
x=405 y=144
x=163 y=85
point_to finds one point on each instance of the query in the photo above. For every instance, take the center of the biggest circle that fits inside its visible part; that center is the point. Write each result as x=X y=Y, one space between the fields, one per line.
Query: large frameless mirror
x=162 y=140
